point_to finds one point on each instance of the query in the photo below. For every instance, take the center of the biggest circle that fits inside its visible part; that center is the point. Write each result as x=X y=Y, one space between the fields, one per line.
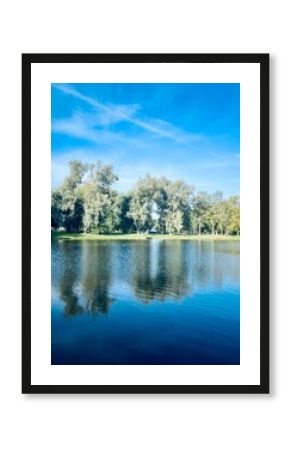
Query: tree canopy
x=87 y=202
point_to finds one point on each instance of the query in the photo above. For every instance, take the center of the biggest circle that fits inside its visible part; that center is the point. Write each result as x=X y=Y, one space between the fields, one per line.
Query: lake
x=145 y=302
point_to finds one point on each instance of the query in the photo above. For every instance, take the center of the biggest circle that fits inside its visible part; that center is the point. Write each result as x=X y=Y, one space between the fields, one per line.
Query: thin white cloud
x=77 y=127
x=83 y=126
x=117 y=113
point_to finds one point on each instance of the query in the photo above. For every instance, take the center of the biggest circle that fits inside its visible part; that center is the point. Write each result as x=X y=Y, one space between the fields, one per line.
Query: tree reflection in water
x=68 y=277
x=86 y=272
x=83 y=278
x=96 y=277
x=160 y=271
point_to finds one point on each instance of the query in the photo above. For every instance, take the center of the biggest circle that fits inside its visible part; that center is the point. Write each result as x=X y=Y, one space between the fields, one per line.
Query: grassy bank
x=62 y=235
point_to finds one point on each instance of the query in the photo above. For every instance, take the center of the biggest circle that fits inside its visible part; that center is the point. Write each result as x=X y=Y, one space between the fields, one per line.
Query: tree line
x=87 y=202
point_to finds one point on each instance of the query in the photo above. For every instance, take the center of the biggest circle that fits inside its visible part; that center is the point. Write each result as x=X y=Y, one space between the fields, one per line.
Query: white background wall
x=142 y=422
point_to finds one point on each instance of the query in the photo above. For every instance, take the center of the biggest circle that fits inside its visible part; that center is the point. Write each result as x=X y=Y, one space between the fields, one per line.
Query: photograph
x=145 y=223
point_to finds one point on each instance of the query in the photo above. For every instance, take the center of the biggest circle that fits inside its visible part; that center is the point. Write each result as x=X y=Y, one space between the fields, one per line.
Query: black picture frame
x=263 y=61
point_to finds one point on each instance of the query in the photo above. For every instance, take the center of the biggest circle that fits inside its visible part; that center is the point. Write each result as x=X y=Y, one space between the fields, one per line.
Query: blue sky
x=182 y=131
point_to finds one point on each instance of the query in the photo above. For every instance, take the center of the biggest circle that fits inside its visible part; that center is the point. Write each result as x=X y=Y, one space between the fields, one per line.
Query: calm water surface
x=146 y=302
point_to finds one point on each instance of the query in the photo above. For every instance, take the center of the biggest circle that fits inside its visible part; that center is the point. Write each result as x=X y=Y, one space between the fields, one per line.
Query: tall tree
x=211 y=213
x=126 y=223
x=233 y=215
x=141 y=205
x=179 y=198
x=56 y=209
x=160 y=205
x=98 y=197
x=69 y=199
x=199 y=210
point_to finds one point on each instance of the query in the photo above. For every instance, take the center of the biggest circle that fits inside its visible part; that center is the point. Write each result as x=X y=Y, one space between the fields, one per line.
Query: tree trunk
x=199 y=229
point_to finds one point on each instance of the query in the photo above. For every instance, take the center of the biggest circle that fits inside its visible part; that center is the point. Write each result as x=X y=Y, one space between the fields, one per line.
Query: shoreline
x=64 y=236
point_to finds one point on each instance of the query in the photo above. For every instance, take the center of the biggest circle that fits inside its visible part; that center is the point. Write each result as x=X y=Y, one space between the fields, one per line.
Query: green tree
x=99 y=198
x=141 y=205
x=199 y=211
x=126 y=223
x=160 y=203
x=113 y=217
x=179 y=198
x=56 y=210
x=233 y=215
x=67 y=201
x=211 y=212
